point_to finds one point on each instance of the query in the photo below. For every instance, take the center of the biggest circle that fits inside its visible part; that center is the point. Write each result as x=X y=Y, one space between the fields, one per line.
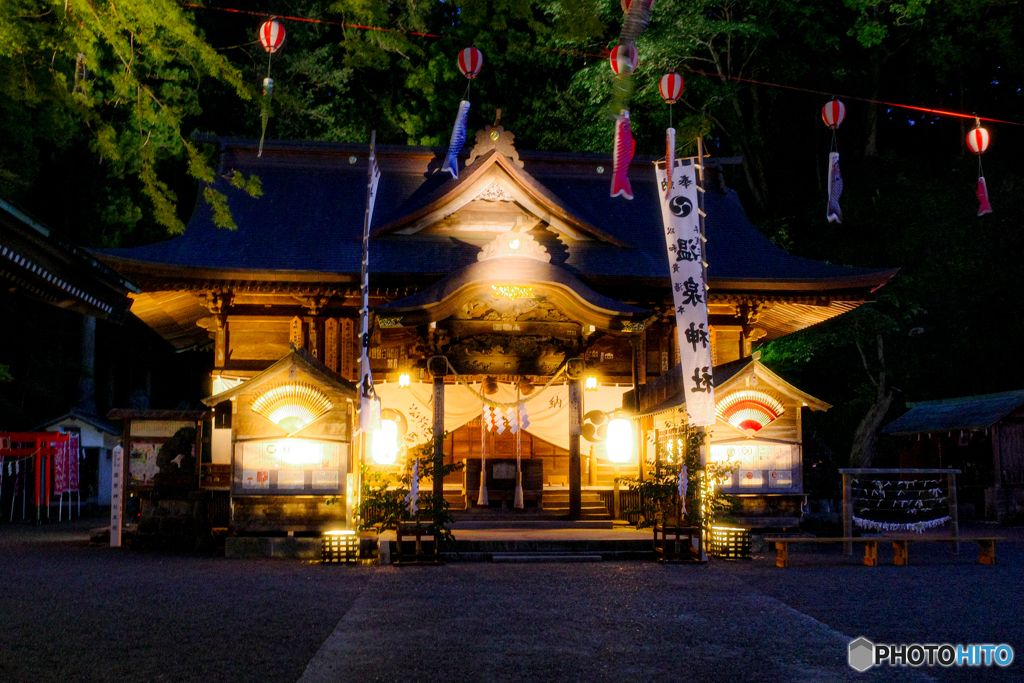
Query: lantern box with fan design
x=291 y=432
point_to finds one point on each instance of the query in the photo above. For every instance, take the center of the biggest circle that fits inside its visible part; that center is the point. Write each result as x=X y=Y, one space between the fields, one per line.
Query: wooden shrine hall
x=519 y=269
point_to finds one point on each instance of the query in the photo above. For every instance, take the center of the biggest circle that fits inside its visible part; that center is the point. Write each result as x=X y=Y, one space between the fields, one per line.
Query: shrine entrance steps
x=530 y=546
x=554 y=515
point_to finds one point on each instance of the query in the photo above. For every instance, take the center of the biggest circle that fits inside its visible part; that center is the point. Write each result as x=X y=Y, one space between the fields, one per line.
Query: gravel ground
x=69 y=612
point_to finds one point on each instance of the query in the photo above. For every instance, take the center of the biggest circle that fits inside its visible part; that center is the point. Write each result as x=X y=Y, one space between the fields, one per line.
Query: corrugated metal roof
x=967 y=412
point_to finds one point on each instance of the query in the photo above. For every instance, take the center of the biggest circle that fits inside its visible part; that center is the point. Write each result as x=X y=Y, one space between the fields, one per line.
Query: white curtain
x=548 y=412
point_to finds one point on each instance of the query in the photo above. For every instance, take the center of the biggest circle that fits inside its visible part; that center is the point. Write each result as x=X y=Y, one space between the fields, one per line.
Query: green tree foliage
x=129 y=72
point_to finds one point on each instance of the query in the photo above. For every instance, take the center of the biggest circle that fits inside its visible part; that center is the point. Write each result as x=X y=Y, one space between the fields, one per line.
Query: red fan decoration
x=671 y=88
x=272 y=35
x=977 y=140
x=471 y=60
x=833 y=114
x=623 y=59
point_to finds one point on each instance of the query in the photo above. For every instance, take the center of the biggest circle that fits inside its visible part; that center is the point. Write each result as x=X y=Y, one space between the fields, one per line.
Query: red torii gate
x=39 y=446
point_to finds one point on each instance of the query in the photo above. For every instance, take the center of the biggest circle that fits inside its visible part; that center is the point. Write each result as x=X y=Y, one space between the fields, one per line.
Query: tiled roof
x=967 y=412
x=311 y=214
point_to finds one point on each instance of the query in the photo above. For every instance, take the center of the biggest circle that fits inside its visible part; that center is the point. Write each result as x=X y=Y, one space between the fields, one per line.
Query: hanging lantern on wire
x=271 y=35
x=470 y=61
x=623 y=59
x=671 y=89
x=977 y=141
x=833 y=114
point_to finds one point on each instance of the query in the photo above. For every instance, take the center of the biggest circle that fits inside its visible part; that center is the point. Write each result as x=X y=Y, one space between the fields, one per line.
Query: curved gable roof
x=310 y=219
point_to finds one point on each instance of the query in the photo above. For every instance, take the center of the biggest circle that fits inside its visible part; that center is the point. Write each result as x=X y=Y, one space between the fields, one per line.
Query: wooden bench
x=782 y=548
x=986 y=547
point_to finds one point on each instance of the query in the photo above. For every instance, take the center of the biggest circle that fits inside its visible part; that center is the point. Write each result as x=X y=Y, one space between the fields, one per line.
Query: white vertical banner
x=681 y=217
x=116 y=496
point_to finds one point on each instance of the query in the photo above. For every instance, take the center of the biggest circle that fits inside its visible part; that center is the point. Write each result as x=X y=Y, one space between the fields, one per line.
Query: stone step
x=545 y=557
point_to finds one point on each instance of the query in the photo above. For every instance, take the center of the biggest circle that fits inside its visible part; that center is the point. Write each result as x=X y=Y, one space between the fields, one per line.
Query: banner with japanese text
x=689 y=291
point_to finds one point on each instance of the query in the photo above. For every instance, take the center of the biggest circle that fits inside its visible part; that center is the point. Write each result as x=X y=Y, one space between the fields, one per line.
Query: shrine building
x=521 y=271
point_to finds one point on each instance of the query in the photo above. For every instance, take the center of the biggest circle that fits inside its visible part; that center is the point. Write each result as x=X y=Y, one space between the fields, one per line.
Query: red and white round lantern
x=471 y=60
x=671 y=88
x=626 y=3
x=977 y=140
x=272 y=35
x=623 y=59
x=833 y=114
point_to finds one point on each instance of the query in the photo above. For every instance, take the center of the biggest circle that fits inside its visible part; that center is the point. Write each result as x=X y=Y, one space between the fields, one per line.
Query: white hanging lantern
x=384 y=443
x=620 y=441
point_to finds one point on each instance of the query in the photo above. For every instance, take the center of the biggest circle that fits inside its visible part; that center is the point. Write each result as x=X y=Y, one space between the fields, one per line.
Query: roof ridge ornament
x=516 y=245
x=497 y=138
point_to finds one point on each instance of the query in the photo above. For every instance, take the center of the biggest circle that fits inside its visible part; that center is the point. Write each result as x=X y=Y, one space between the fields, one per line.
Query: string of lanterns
x=623 y=59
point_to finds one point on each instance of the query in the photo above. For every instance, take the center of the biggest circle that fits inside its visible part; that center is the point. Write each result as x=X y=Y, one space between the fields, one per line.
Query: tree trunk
x=865 y=439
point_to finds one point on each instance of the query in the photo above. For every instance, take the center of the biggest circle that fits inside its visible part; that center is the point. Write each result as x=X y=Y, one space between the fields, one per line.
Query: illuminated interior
x=749 y=410
x=292 y=406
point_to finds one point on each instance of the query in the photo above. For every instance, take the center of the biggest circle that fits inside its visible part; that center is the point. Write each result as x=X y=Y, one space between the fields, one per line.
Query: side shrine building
x=520 y=264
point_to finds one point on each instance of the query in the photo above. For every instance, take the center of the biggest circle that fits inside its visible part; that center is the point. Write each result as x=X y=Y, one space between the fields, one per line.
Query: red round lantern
x=833 y=114
x=623 y=60
x=272 y=35
x=471 y=60
x=977 y=140
x=626 y=3
x=671 y=88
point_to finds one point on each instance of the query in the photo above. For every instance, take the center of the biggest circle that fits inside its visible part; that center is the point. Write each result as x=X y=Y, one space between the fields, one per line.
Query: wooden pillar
x=574 y=372
x=847 y=513
x=616 y=507
x=592 y=467
x=438 y=367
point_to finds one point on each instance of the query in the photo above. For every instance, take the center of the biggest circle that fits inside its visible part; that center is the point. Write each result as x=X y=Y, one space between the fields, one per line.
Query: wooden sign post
x=116 y=496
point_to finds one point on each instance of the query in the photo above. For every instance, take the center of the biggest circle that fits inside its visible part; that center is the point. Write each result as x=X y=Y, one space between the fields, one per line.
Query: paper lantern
x=978 y=140
x=833 y=114
x=671 y=88
x=384 y=443
x=272 y=35
x=471 y=60
x=620 y=440
x=623 y=59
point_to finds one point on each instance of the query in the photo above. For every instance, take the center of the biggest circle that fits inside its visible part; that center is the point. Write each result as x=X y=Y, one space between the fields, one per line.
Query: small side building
x=97 y=439
x=982 y=436
x=758 y=428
